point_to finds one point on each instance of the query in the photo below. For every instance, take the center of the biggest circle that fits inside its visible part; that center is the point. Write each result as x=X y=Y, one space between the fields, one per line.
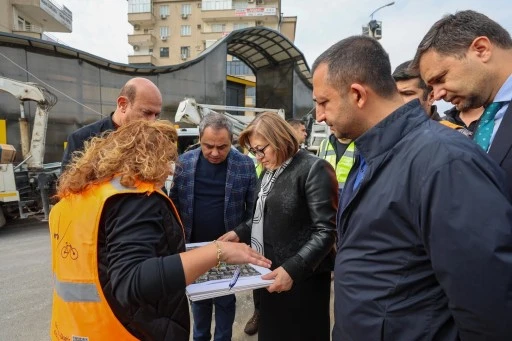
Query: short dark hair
x=216 y=121
x=404 y=72
x=295 y=122
x=454 y=33
x=358 y=59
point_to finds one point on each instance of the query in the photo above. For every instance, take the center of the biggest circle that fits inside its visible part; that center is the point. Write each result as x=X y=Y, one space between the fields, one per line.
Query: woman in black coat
x=294 y=225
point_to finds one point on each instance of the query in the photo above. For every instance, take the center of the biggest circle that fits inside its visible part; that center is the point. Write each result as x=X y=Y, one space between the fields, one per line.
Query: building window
x=240 y=4
x=238 y=68
x=150 y=51
x=208 y=43
x=185 y=52
x=164 y=11
x=185 y=30
x=21 y=23
x=213 y=5
x=164 y=52
x=186 y=9
x=139 y=6
x=250 y=91
x=218 y=27
x=164 y=31
x=239 y=26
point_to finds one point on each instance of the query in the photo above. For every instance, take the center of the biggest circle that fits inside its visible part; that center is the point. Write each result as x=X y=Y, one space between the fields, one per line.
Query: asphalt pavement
x=25 y=281
x=26 y=285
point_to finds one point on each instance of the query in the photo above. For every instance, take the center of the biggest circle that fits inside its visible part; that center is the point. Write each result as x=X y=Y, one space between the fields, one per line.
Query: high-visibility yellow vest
x=257 y=165
x=80 y=309
x=326 y=151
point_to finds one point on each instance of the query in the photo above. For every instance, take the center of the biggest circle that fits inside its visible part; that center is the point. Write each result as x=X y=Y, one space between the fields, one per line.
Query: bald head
x=139 y=99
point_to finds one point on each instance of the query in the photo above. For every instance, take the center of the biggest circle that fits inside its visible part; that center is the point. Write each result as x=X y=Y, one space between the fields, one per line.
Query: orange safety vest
x=80 y=310
x=464 y=131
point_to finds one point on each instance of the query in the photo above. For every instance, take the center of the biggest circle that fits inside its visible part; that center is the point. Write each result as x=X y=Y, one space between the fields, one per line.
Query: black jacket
x=140 y=269
x=300 y=217
x=453 y=115
x=425 y=242
x=77 y=138
x=501 y=147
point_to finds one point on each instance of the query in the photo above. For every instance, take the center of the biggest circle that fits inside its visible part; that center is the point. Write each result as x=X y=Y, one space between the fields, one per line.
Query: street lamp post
x=374 y=27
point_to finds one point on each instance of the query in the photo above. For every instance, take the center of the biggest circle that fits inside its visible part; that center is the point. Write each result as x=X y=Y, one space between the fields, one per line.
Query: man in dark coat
x=467 y=59
x=424 y=222
x=139 y=98
x=213 y=191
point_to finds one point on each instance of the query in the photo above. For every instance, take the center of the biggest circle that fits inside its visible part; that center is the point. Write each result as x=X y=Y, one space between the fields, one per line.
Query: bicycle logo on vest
x=69 y=250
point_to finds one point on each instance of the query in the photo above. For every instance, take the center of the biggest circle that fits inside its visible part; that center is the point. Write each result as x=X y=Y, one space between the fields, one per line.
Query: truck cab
x=187 y=138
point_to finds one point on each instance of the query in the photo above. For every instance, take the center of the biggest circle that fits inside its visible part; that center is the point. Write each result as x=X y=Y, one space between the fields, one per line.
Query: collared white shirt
x=503 y=95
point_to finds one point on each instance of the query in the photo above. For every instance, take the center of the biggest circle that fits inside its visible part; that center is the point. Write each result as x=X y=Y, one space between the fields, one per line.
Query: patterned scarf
x=257 y=221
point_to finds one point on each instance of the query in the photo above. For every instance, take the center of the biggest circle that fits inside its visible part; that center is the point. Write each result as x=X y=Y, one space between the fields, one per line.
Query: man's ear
x=482 y=48
x=430 y=98
x=122 y=103
x=358 y=95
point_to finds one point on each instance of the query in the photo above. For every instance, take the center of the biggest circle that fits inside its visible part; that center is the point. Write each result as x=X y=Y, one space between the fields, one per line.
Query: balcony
x=32 y=33
x=27 y=29
x=209 y=35
x=218 y=15
x=267 y=14
x=142 y=59
x=52 y=17
x=142 y=19
x=141 y=39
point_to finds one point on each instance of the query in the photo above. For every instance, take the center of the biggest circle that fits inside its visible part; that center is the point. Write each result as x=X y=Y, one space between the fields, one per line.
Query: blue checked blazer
x=239 y=193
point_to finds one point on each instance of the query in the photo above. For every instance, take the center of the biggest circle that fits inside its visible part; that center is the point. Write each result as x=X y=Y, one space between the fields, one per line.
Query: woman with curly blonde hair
x=118 y=250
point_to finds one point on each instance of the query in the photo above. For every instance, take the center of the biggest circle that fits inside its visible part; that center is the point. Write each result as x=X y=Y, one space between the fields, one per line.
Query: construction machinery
x=25 y=186
x=317 y=132
x=191 y=112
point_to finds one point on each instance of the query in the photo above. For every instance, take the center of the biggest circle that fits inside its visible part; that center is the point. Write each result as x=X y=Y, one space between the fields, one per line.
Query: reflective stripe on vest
x=80 y=308
x=326 y=151
x=76 y=292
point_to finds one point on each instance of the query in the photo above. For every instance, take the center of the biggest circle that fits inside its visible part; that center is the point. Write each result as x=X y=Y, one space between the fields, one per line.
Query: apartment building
x=168 y=32
x=32 y=18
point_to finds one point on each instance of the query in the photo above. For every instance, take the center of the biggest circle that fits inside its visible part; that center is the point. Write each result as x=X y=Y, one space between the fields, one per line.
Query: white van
x=187 y=139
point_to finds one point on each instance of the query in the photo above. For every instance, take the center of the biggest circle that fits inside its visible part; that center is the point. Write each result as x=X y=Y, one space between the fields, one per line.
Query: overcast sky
x=101 y=27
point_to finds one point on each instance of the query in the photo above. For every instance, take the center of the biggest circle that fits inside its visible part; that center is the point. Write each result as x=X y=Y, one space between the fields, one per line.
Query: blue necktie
x=485 y=127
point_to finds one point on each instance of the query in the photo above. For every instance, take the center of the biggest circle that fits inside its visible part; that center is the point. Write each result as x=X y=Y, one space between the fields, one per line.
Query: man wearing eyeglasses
x=213 y=191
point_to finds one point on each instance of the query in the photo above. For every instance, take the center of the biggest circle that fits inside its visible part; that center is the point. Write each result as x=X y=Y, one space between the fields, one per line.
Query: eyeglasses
x=258 y=152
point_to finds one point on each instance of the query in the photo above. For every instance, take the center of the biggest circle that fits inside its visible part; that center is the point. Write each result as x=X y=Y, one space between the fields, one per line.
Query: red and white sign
x=255 y=12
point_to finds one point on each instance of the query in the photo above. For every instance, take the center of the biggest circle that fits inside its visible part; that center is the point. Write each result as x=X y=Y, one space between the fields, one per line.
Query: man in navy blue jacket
x=213 y=190
x=425 y=220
